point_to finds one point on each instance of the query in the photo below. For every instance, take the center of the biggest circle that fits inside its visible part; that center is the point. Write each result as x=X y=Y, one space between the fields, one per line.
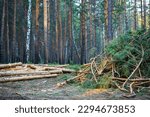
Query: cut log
x=3 y=66
x=14 y=73
x=32 y=66
x=13 y=79
x=50 y=68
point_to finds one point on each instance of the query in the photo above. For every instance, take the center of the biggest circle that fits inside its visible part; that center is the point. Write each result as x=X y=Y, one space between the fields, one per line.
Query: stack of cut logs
x=18 y=71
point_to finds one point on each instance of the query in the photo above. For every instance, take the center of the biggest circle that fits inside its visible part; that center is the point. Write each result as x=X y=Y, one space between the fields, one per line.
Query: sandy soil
x=45 y=89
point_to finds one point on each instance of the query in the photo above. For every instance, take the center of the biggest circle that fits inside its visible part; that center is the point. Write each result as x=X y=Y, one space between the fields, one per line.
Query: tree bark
x=144 y=7
x=70 y=49
x=14 y=35
x=135 y=14
x=2 y=74
x=28 y=29
x=45 y=32
x=2 y=34
x=3 y=66
x=110 y=32
x=37 y=58
x=13 y=79
x=83 y=49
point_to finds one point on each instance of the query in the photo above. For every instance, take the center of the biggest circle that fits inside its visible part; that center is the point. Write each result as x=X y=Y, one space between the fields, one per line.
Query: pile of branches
x=125 y=65
x=19 y=72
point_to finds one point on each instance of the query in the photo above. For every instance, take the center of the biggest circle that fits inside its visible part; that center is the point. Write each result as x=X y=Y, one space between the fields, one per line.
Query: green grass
x=74 y=67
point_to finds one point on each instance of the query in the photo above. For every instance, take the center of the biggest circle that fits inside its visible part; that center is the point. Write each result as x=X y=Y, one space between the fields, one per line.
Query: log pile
x=19 y=72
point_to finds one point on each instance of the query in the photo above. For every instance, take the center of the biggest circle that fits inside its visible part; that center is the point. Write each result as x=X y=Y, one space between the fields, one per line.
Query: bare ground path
x=44 y=89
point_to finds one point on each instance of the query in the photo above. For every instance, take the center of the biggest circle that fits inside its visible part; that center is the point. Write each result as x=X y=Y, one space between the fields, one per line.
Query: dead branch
x=132 y=80
x=93 y=70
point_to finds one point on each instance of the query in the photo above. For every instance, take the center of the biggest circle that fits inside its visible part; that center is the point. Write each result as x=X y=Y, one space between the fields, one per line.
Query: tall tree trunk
x=110 y=32
x=142 y=22
x=70 y=55
x=45 y=32
x=7 y=37
x=28 y=29
x=120 y=26
x=94 y=37
x=60 y=32
x=56 y=28
x=37 y=58
x=125 y=16
x=65 y=34
x=135 y=14
x=14 y=35
x=106 y=21
x=83 y=51
x=48 y=28
x=144 y=7
x=2 y=34
x=91 y=30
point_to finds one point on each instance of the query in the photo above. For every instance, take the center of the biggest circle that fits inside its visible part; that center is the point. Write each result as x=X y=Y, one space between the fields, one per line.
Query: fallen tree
x=21 y=78
x=3 y=66
x=16 y=73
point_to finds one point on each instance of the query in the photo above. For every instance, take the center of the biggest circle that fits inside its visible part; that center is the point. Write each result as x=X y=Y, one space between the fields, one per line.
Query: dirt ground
x=45 y=89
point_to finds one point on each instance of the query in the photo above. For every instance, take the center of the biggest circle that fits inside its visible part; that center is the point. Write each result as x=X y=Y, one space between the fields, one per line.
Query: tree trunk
x=45 y=32
x=142 y=22
x=14 y=35
x=106 y=21
x=94 y=24
x=83 y=51
x=60 y=32
x=7 y=41
x=91 y=30
x=110 y=32
x=48 y=28
x=70 y=49
x=144 y=7
x=28 y=29
x=125 y=15
x=2 y=34
x=56 y=28
x=13 y=79
x=65 y=34
x=37 y=58
x=135 y=15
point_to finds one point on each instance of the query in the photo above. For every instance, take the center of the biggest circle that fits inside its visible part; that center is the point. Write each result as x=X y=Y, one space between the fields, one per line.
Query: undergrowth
x=125 y=52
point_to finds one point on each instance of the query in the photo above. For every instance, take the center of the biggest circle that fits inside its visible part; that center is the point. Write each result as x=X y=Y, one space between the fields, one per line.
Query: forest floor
x=45 y=89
